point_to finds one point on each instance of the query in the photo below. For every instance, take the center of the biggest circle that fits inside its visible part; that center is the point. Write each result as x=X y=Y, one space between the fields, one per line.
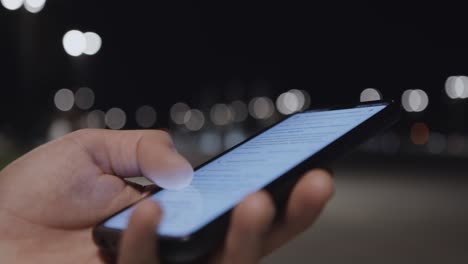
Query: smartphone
x=195 y=219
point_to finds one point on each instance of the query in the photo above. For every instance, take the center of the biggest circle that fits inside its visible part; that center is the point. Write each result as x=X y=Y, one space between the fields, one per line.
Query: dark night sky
x=161 y=52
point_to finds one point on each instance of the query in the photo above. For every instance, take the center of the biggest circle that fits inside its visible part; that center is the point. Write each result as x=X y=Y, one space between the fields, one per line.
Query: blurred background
x=213 y=73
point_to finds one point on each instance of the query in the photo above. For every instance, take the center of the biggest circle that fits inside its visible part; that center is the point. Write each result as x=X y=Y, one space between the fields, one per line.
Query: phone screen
x=222 y=183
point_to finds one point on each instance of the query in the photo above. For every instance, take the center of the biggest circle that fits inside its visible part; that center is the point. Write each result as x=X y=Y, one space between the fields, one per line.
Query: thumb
x=139 y=241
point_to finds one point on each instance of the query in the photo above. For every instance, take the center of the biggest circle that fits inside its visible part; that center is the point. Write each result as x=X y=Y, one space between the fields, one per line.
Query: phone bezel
x=177 y=249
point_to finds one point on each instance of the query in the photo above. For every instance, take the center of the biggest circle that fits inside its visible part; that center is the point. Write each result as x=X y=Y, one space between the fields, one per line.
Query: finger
x=139 y=241
x=250 y=221
x=307 y=200
x=150 y=153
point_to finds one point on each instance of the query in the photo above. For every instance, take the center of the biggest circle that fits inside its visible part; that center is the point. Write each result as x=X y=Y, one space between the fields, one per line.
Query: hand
x=51 y=198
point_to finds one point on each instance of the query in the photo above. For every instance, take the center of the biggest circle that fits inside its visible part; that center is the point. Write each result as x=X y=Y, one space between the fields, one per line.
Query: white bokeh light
x=221 y=114
x=93 y=43
x=370 y=94
x=194 y=120
x=74 y=43
x=84 y=98
x=145 y=116
x=239 y=111
x=96 y=119
x=59 y=128
x=34 y=6
x=12 y=4
x=64 y=99
x=292 y=101
x=178 y=112
x=456 y=87
x=306 y=100
x=415 y=100
x=115 y=118
x=261 y=107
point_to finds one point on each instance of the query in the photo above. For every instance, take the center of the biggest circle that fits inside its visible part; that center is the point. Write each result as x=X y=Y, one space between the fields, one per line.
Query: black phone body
x=203 y=239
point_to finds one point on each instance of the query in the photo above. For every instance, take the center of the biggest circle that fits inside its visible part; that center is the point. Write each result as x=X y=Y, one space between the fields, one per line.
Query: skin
x=51 y=198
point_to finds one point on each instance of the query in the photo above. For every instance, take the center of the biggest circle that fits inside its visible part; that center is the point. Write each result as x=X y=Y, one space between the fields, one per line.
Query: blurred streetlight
x=64 y=99
x=370 y=94
x=12 y=4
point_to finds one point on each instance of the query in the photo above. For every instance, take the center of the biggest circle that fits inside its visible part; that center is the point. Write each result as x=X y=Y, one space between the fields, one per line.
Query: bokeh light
x=370 y=94
x=12 y=4
x=194 y=120
x=456 y=87
x=233 y=137
x=59 y=127
x=96 y=119
x=415 y=100
x=146 y=116
x=261 y=108
x=419 y=133
x=64 y=99
x=178 y=112
x=306 y=100
x=239 y=111
x=34 y=6
x=292 y=101
x=93 y=43
x=221 y=114
x=84 y=98
x=437 y=143
x=74 y=43
x=210 y=143
x=115 y=118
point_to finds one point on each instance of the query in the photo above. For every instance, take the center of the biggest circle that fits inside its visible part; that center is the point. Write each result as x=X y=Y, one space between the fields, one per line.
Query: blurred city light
x=93 y=43
x=419 y=134
x=221 y=114
x=115 y=118
x=370 y=94
x=291 y=102
x=34 y=6
x=12 y=4
x=210 y=143
x=437 y=143
x=96 y=119
x=233 y=137
x=239 y=111
x=455 y=144
x=415 y=100
x=261 y=108
x=145 y=116
x=84 y=98
x=58 y=128
x=306 y=99
x=456 y=87
x=177 y=113
x=74 y=43
x=64 y=99
x=194 y=120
